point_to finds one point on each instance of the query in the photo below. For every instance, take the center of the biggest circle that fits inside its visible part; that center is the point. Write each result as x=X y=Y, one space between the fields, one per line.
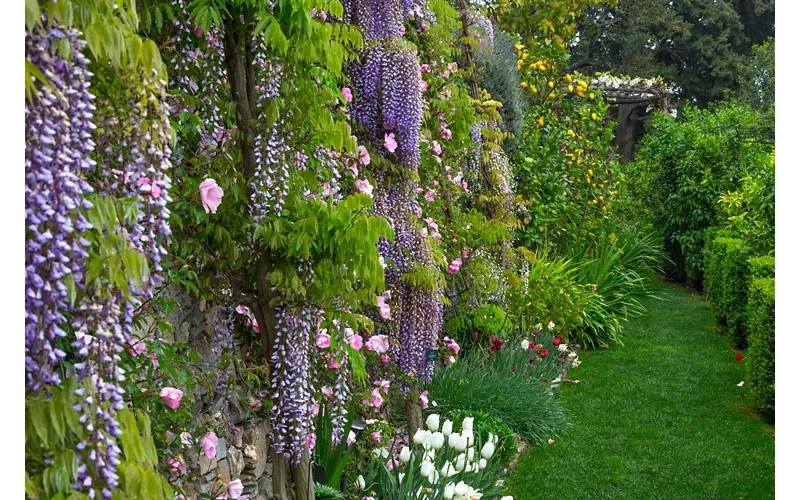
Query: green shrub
x=761 y=355
x=727 y=285
x=761 y=267
x=526 y=405
x=684 y=167
x=483 y=425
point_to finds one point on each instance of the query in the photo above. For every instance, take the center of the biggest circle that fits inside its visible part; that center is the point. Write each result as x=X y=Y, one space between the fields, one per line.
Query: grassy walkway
x=661 y=417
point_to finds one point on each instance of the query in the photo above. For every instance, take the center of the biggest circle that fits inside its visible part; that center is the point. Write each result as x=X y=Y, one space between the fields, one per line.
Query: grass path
x=661 y=417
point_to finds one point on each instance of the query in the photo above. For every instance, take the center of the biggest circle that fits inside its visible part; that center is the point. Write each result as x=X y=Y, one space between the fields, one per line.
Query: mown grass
x=661 y=417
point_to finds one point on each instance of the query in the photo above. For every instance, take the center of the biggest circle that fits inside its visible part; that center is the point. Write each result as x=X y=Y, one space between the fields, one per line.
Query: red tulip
x=557 y=341
x=544 y=353
x=738 y=356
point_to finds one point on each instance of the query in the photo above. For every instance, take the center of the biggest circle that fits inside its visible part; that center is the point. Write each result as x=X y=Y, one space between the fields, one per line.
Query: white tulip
x=467 y=423
x=449 y=491
x=448 y=470
x=493 y=438
x=476 y=468
x=469 y=436
x=525 y=344
x=461 y=444
x=572 y=355
x=507 y=497
x=452 y=439
x=434 y=477
x=462 y=488
x=430 y=456
x=419 y=436
x=400 y=477
x=437 y=440
x=425 y=469
x=360 y=482
x=447 y=427
x=482 y=464
x=432 y=422
x=461 y=462
x=471 y=454
x=488 y=450
x=384 y=453
x=563 y=347
x=405 y=454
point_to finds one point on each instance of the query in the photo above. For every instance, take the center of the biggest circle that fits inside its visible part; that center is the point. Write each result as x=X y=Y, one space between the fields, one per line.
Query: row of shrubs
x=741 y=294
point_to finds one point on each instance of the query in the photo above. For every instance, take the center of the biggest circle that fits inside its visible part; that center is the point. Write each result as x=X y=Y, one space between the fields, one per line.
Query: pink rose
x=323 y=340
x=235 y=489
x=348 y=94
x=424 y=68
x=208 y=444
x=333 y=364
x=378 y=343
x=424 y=85
x=355 y=341
x=255 y=326
x=437 y=148
x=423 y=399
x=210 y=195
x=376 y=436
x=177 y=466
x=171 y=397
x=363 y=186
x=389 y=143
x=363 y=155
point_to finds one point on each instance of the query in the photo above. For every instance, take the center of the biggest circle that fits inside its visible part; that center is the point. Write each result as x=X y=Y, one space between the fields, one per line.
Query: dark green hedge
x=726 y=281
x=761 y=355
x=761 y=267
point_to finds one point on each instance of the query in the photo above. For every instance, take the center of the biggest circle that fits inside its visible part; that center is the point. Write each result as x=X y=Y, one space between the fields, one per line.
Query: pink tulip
x=171 y=397
x=323 y=340
x=208 y=444
x=348 y=94
x=389 y=143
x=210 y=195
x=235 y=488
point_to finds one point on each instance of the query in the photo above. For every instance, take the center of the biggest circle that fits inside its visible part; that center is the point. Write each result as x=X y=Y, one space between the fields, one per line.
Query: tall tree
x=700 y=45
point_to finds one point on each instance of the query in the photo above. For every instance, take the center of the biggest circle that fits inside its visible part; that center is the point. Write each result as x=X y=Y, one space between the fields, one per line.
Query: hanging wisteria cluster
x=292 y=394
x=58 y=132
x=388 y=106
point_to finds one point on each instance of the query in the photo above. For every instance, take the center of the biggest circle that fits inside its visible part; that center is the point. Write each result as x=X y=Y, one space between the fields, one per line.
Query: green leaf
x=32 y=13
x=69 y=283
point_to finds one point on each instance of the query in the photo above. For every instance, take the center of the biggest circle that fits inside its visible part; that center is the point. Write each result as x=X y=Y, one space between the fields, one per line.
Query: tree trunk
x=627 y=132
x=303 y=479
x=413 y=411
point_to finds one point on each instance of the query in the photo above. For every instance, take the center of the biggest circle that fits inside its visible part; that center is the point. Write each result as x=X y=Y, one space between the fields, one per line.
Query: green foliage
x=473 y=328
x=757 y=84
x=484 y=424
x=524 y=404
x=323 y=492
x=761 y=267
x=682 y=169
x=554 y=294
x=332 y=457
x=501 y=78
x=761 y=335
x=727 y=285
x=52 y=432
x=750 y=211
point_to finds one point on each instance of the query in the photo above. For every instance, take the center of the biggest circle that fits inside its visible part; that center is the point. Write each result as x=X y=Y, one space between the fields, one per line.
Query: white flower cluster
x=623 y=82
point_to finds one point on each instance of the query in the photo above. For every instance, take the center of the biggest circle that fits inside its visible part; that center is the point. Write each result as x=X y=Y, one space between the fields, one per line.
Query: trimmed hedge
x=761 y=355
x=761 y=267
x=726 y=281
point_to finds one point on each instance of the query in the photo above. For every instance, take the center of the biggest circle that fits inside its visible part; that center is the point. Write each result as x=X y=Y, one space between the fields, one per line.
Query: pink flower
x=376 y=436
x=348 y=94
x=389 y=143
x=171 y=397
x=376 y=400
x=445 y=74
x=464 y=185
x=452 y=67
x=235 y=489
x=136 y=347
x=363 y=186
x=208 y=444
x=210 y=195
x=327 y=390
x=385 y=309
x=363 y=155
x=424 y=68
x=311 y=440
x=351 y=438
x=243 y=310
x=378 y=343
x=418 y=211
x=465 y=253
x=446 y=134
x=323 y=16
x=355 y=341
x=424 y=85
x=383 y=384
x=255 y=326
x=177 y=466
x=423 y=399
x=429 y=194
x=385 y=358
x=323 y=339
x=333 y=364
x=315 y=409
x=437 y=148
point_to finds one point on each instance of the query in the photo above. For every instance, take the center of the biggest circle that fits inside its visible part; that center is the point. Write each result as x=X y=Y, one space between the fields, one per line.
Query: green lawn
x=661 y=417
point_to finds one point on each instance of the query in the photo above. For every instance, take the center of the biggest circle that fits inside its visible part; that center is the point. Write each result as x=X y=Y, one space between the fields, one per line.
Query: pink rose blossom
x=235 y=489
x=363 y=186
x=424 y=85
x=355 y=341
x=348 y=94
x=389 y=143
x=177 y=466
x=424 y=68
x=255 y=326
x=171 y=397
x=385 y=358
x=378 y=344
x=208 y=444
x=333 y=364
x=210 y=195
x=423 y=399
x=363 y=155
x=383 y=384
x=376 y=436
x=323 y=340
x=327 y=390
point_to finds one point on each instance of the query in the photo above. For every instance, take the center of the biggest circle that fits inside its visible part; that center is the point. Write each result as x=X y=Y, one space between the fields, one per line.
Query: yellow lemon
x=591 y=95
x=570 y=88
x=551 y=84
x=594 y=116
x=568 y=78
x=551 y=95
x=523 y=84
